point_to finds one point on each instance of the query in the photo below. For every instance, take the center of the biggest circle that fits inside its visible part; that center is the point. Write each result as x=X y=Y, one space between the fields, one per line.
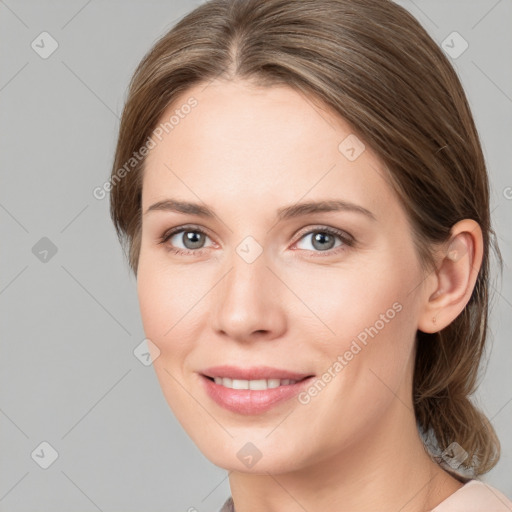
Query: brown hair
x=372 y=63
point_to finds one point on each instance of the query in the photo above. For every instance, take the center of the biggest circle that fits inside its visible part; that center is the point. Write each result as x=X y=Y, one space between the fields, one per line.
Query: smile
x=250 y=391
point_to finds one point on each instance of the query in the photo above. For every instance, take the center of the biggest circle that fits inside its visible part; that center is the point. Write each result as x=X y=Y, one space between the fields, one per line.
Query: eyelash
x=347 y=240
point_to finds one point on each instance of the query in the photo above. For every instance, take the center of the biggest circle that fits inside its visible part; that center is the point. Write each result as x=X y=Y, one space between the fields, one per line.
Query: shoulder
x=475 y=496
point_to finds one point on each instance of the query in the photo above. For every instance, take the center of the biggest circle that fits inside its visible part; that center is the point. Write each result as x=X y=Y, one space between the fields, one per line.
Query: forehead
x=242 y=143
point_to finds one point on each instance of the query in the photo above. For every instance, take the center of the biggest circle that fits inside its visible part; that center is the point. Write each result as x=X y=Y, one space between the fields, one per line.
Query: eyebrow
x=288 y=212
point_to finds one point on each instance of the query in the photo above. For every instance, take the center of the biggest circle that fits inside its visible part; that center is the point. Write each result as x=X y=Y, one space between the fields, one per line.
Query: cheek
x=155 y=305
x=366 y=363
x=366 y=324
x=166 y=302
x=167 y=311
x=348 y=300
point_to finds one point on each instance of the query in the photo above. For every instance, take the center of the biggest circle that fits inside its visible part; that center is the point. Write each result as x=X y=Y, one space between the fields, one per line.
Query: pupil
x=194 y=239
x=322 y=237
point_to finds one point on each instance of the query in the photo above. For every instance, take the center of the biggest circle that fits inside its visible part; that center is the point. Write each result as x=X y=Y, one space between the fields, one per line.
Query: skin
x=246 y=151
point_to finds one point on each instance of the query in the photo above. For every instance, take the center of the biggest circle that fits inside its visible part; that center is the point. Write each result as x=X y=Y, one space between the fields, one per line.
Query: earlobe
x=448 y=288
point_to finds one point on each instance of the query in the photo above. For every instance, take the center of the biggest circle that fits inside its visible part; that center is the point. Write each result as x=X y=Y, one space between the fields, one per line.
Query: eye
x=191 y=237
x=323 y=239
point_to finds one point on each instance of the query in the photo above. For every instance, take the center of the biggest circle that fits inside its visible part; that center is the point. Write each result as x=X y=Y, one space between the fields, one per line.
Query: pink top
x=473 y=496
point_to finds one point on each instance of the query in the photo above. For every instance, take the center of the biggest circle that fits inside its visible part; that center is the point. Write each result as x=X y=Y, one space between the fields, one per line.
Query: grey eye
x=321 y=240
x=191 y=239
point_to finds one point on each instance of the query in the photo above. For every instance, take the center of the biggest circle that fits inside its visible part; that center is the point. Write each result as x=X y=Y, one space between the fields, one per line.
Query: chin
x=282 y=463
x=245 y=453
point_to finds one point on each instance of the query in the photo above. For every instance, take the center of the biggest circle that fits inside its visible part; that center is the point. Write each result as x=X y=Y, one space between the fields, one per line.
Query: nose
x=247 y=302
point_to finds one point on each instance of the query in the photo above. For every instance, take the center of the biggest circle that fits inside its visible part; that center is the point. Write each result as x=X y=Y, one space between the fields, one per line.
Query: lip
x=249 y=401
x=253 y=373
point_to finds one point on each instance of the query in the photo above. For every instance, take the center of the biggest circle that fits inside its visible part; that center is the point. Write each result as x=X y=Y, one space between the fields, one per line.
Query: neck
x=387 y=470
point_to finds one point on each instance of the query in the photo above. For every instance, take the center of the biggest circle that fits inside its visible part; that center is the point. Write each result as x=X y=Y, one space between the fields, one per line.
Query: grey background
x=71 y=323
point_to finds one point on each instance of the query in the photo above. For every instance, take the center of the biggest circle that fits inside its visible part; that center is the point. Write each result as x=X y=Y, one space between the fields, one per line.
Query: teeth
x=259 y=385
x=240 y=384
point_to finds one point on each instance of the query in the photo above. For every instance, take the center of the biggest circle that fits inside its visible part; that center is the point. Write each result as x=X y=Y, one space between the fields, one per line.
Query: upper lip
x=252 y=373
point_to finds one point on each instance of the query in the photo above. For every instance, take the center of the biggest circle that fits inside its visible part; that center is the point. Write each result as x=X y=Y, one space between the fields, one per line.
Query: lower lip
x=251 y=401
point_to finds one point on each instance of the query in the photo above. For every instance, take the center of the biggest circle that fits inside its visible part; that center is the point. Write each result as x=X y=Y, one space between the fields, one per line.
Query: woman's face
x=264 y=289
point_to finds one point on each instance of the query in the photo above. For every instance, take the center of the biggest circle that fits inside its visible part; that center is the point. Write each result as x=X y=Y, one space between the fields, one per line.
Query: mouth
x=254 y=390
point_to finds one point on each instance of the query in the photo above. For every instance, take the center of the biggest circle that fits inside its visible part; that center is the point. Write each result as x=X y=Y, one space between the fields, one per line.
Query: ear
x=448 y=289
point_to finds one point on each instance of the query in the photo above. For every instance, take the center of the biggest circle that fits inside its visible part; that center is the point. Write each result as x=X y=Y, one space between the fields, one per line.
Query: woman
x=333 y=377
